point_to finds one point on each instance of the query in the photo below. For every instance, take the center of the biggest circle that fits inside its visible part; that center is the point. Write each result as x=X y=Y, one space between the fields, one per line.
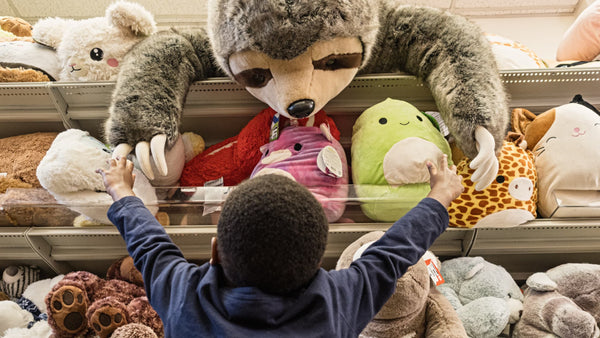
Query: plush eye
x=382 y=120
x=297 y=147
x=97 y=54
x=338 y=61
x=550 y=139
x=419 y=118
x=254 y=78
x=500 y=179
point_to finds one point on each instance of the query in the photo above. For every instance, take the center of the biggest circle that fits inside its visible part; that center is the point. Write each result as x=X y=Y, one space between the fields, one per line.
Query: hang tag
x=3 y=174
x=274 y=128
x=214 y=196
x=434 y=272
x=330 y=162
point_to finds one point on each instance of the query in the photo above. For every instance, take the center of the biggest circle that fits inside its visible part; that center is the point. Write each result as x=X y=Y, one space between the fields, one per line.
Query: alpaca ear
x=50 y=31
x=131 y=16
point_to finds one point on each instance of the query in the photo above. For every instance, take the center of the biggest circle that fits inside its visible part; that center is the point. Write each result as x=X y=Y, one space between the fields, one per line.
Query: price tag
x=214 y=196
x=274 y=128
x=434 y=272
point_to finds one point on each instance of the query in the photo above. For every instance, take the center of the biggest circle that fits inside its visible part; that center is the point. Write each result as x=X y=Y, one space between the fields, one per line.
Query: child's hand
x=445 y=184
x=118 y=178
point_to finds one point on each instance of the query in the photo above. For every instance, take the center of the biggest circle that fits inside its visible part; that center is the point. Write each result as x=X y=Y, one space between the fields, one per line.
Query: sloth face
x=299 y=87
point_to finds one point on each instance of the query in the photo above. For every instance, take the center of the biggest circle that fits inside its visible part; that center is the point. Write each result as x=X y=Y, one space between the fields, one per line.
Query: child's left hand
x=118 y=178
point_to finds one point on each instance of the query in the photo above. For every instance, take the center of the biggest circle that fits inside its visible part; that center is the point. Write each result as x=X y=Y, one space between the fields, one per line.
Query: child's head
x=271 y=234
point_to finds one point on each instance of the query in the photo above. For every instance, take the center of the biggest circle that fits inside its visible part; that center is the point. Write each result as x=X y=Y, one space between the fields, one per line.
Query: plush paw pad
x=106 y=319
x=68 y=306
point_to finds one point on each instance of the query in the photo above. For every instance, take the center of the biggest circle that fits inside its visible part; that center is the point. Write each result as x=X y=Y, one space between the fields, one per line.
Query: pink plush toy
x=313 y=158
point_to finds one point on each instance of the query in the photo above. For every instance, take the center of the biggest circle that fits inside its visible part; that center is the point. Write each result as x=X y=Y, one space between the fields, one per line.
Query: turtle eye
x=297 y=147
x=97 y=54
x=419 y=118
x=382 y=120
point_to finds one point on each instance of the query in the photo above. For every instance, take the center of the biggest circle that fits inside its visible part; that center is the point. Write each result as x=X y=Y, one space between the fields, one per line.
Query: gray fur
x=446 y=51
x=284 y=29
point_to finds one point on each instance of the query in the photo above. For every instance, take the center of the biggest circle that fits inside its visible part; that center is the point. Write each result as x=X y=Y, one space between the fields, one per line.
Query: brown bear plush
x=416 y=309
x=84 y=303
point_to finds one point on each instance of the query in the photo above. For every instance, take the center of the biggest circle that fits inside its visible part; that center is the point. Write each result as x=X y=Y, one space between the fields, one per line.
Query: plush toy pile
x=416 y=309
x=83 y=302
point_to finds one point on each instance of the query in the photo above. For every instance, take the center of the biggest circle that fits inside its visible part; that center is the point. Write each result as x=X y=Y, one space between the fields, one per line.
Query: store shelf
x=219 y=108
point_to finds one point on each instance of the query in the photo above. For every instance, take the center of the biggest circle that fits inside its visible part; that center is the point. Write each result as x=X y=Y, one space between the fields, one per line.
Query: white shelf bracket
x=61 y=107
x=44 y=251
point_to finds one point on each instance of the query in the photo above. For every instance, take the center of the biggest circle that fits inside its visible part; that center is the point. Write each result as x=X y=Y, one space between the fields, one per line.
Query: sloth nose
x=301 y=108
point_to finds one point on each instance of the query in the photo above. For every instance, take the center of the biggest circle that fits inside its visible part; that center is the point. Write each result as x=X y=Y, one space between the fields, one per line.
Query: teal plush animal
x=391 y=142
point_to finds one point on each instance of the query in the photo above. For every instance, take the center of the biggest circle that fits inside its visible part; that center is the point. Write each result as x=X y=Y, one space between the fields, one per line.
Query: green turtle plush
x=391 y=142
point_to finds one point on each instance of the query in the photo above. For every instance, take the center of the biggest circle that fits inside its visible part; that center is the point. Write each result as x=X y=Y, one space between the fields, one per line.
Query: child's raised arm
x=118 y=178
x=445 y=184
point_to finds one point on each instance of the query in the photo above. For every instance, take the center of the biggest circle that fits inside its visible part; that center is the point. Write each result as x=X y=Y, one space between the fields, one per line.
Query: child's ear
x=131 y=16
x=214 y=252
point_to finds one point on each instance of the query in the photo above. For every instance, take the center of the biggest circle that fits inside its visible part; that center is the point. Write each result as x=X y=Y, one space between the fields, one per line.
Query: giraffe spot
x=483 y=204
x=519 y=204
x=493 y=193
x=495 y=199
x=469 y=204
x=507 y=200
x=462 y=209
x=476 y=211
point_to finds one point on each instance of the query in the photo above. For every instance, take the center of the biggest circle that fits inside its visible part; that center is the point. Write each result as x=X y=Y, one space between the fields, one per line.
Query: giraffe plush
x=510 y=200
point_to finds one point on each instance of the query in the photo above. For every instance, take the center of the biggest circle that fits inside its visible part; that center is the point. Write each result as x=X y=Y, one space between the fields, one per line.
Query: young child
x=264 y=278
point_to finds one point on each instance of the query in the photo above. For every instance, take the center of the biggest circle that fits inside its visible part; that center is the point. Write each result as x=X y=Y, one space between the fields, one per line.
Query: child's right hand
x=445 y=184
x=118 y=178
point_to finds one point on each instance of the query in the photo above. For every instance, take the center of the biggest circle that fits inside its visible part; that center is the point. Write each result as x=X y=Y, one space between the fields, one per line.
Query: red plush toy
x=235 y=158
x=82 y=302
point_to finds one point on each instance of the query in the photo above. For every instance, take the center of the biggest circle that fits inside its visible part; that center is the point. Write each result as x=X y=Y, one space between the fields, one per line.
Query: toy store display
x=562 y=302
x=93 y=49
x=391 y=142
x=416 y=309
x=485 y=296
x=509 y=201
x=313 y=158
x=85 y=303
x=277 y=53
x=560 y=138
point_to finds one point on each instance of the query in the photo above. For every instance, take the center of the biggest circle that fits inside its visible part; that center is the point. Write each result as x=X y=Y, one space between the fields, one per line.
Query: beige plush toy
x=416 y=309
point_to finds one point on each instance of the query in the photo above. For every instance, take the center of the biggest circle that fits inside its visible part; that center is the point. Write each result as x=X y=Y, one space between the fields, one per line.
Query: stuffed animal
x=581 y=41
x=559 y=138
x=513 y=55
x=32 y=308
x=297 y=55
x=234 y=159
x=16 y=278
x=562 y=302
x=19 y=158
x=313 y=158
x=68 y=172
x=133 y=330
x=391 y=142
x=33 y=207
x=21 y=59
x=416 y=309
x=92 y=49
x=485 y=296
x=83 y=302
x=509 y=201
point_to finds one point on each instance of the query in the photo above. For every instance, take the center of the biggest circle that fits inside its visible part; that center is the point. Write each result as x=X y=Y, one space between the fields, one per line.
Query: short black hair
x=271 y=234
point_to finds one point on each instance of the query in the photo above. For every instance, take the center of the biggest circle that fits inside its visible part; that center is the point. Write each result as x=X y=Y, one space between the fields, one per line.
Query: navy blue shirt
x=193 y=301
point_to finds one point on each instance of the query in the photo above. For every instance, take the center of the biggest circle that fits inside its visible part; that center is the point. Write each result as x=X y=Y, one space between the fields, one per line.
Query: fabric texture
x=193 y=300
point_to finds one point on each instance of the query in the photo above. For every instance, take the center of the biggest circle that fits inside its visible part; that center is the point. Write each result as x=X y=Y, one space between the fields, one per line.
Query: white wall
x=540 y=34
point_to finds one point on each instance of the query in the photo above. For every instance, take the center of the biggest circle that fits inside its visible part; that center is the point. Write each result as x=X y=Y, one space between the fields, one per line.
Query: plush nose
x=301 y=108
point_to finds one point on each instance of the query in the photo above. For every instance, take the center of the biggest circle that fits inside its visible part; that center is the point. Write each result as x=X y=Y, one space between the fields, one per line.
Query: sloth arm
x=151 y=89
x=453 y=57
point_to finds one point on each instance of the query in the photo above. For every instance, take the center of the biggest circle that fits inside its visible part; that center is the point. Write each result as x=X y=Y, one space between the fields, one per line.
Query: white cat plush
x=565 y=141
x=92 y=49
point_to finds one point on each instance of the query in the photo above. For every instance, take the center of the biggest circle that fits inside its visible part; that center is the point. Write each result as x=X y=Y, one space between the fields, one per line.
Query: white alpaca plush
x=92 y=49
x=68 y=172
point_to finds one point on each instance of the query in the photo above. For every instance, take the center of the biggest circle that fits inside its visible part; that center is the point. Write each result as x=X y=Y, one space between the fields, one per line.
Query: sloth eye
x=97 y=54
x=254 y=78
x=338 y=61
